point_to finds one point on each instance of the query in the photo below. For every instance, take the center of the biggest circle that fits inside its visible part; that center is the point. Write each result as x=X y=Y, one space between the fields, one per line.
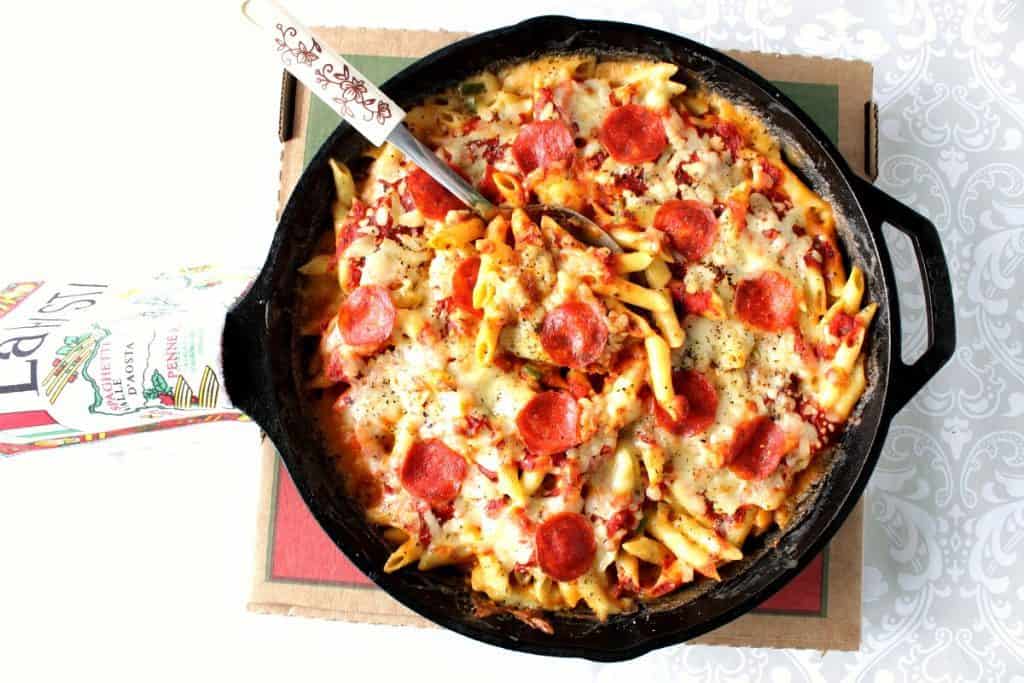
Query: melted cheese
x=428 y=381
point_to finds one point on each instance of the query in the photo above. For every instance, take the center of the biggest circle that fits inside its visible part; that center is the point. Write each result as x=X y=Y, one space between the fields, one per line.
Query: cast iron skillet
x=264 y=360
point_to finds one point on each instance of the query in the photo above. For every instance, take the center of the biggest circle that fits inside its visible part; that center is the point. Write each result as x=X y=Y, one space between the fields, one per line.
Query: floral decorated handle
x=340 y=85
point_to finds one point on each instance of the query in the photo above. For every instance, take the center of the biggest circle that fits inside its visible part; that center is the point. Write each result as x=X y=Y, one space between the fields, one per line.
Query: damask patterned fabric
x=944 y=530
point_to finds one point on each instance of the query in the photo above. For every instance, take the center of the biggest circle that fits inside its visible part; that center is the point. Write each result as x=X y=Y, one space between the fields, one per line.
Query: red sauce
x=682 y=177
x=349 y=231
x=424 y=532
x=355 y=272
x=820 y=253
x=623 y=520
x=724 y=521
x=473 y=425
x=845 y=327
x=490 y=150
x=594 y=162
x=828 y=430
x=527 y=524
x=494 y=506
x=531 y=461
x=623 y=586
x=490 y=474
x=660 y=589
x=772 y=171
x=444 y=511
x=632 y=180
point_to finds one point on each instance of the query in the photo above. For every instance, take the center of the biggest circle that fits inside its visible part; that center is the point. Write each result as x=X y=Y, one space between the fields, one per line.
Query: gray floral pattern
x=944 y=533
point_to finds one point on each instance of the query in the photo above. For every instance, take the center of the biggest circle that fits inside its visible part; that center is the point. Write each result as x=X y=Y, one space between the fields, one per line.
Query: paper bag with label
x=90 y=360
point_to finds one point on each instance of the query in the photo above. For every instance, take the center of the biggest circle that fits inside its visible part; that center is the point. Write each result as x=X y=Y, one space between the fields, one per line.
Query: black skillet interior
x=264 y=362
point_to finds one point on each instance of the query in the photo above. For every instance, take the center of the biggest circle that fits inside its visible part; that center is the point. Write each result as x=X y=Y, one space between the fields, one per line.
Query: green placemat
x=819 y=100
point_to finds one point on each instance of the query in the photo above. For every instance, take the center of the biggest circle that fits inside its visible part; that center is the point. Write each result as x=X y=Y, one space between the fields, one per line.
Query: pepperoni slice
x=767 y=302
x=757 y=448
x=433 y=472
x=691 y=225
x=701 y=404
x=463 y=282
x=549 y=423
x=574 y=335
x=430 y=197
x=367 y=316
x=633 y=134
x=542 y=144
x=565 y=546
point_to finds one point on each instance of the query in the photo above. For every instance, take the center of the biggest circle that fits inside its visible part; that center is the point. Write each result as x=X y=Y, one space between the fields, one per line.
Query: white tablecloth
x=141 y=138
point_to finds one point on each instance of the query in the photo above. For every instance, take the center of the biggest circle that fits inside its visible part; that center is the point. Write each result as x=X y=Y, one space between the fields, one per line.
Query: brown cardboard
x=837 y=629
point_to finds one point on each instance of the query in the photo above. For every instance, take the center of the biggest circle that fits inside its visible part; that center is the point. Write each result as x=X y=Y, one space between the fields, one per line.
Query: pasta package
x=81 y=361
x=576 y=428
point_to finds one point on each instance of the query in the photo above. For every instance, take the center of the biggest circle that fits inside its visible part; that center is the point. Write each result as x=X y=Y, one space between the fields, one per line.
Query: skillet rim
x=261 y=294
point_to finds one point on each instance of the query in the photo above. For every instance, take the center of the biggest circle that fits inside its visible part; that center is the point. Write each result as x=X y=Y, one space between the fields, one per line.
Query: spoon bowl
x=576 y=224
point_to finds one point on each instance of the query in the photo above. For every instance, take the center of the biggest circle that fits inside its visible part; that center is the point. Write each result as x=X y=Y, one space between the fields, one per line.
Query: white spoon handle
x=327 y=75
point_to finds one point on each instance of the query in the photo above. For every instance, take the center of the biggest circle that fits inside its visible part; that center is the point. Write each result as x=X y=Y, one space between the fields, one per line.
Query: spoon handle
x=421 y=155
x=326 y=74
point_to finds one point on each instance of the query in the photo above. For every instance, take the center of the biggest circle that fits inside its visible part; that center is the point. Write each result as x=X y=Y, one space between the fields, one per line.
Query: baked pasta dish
x=568 y=425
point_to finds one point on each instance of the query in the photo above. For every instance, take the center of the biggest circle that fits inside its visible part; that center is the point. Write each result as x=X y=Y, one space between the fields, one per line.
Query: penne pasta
x=635 y=239
x=653 y=458
x=634 y=294
x=511 y=190
x=489 y=577
x=685 y=549
x=625 y=475
x=460 y=231
x=530 y=481
x=706 y=538
x=404 y=555
x=657 y=274
x=573 y=426
x=646 y=549
x=660 y=364
x=631 y=262
x=670 y=328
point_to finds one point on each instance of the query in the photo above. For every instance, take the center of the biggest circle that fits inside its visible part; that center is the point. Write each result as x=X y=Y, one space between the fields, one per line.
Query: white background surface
x=140 y=136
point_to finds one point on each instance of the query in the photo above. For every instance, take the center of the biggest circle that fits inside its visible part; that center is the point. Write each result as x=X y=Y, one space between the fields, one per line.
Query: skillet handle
x=244 y=357
x=907 y=380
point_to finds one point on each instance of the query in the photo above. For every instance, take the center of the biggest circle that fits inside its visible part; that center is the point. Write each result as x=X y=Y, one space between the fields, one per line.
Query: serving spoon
x=378 y=119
